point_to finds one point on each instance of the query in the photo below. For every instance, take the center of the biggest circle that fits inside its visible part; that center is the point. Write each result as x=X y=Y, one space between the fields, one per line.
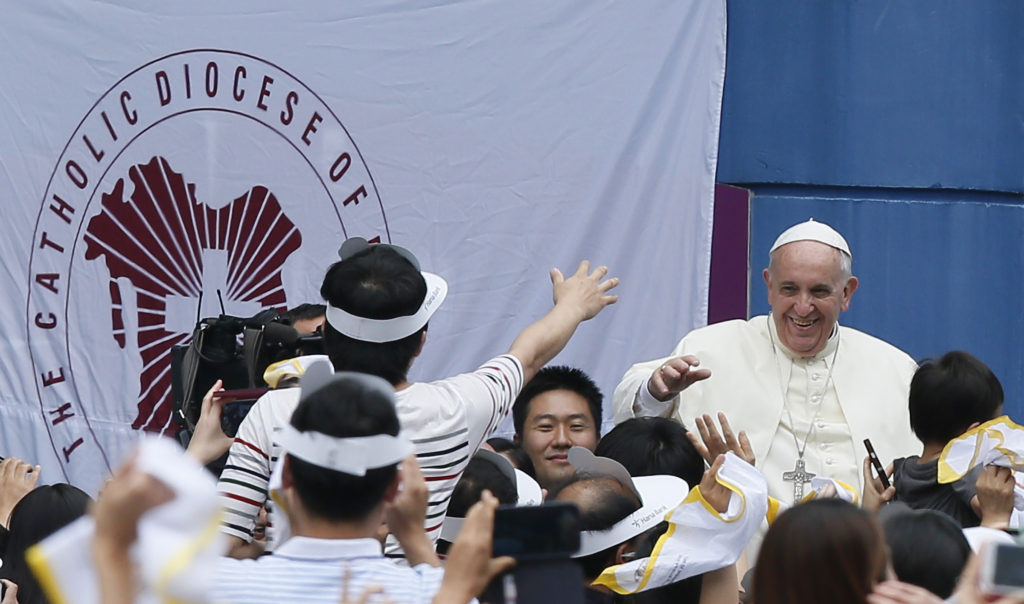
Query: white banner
x=154 y=153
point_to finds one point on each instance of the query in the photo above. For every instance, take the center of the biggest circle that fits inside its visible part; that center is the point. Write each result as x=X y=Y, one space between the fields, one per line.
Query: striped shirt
x=304 y=569
x=447 y=421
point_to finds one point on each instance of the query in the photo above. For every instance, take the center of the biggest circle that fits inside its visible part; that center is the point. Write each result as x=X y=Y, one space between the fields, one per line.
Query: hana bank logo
x=129 y=247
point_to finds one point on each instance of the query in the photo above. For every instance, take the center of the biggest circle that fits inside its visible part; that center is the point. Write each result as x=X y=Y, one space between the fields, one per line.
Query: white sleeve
x=488 y=394
x=633 y=399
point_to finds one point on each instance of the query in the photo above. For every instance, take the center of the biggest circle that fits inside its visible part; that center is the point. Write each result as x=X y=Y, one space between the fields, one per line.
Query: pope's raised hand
x=675 y=375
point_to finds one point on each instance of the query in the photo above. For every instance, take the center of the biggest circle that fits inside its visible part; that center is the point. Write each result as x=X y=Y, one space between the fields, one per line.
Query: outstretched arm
x=578 y=298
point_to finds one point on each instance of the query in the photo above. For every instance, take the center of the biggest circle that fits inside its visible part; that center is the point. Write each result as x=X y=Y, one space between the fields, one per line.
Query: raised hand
x=716 y=494
x=586 y=291
x=711 y=443
x=675 y=375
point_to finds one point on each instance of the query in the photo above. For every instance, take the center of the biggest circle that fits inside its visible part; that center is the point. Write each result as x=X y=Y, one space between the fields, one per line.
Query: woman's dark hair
x=38 y=515
x=822 y=550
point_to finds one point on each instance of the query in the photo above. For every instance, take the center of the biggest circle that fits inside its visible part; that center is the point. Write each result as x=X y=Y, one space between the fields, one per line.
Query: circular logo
x=204 y=182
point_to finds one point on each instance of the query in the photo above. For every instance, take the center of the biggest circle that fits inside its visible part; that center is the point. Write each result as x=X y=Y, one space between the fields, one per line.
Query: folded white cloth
x=998 y=442
x=699 y=539
x=178 y=543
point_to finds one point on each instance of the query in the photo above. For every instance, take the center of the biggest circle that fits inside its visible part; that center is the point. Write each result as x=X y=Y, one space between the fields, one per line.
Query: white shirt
x=447 y=421
x=304 y=569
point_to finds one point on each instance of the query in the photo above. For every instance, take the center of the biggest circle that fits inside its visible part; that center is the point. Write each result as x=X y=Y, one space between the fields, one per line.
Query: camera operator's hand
x=17 y=479
x=209 y=441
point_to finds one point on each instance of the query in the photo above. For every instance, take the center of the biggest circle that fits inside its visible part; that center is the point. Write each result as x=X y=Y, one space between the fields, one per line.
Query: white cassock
x=855 y=388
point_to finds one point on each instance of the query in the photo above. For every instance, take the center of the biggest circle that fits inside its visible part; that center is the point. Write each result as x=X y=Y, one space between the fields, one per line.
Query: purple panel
x=727 y=298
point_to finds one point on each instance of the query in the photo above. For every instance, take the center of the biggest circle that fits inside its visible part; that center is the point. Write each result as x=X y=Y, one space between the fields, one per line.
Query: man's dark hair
x=909 y=532
x=648 y=446
x=343 y=408
x=304 y=312
x=950 y=394
x=480 y=474
x=376 y=283
x=557 y=378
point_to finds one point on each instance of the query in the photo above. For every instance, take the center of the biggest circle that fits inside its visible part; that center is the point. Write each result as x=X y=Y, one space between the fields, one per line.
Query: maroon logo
x=193 y=174
x=159 y=238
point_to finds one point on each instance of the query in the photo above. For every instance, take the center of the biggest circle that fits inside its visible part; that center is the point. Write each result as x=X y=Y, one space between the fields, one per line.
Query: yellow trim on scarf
x=948 y=474
x=608 y=576
x=180 y=561
x=36 y=558
x=774 y=509
x=842 y=484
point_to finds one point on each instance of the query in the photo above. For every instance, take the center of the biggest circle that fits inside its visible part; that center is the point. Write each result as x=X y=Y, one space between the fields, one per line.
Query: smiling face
x=556 y=421
x=807 y=289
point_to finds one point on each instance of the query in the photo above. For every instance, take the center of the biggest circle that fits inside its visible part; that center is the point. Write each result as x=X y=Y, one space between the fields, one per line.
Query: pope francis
x=806 y=390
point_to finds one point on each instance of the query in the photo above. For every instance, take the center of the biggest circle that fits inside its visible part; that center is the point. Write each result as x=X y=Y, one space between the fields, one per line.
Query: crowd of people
x=735 y=471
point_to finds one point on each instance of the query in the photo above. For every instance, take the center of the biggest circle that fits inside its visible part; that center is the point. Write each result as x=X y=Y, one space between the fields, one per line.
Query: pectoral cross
x=798 y=477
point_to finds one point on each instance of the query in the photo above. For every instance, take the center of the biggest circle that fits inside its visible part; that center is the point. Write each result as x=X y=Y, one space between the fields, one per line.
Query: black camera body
x=238 y=351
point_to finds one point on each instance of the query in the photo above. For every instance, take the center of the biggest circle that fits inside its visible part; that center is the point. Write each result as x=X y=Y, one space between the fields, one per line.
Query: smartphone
x=1002 y=569
x=551 y=530
x=877 y=464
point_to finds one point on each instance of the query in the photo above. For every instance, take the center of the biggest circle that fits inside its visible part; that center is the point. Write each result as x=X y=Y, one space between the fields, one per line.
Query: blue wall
x=902 y=125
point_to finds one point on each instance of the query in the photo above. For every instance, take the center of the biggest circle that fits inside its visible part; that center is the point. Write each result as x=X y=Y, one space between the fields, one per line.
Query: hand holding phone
x=882 y=476
x=1002 y=569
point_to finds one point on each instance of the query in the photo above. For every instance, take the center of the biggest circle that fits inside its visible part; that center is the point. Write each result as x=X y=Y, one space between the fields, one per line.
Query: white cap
x=812 y=231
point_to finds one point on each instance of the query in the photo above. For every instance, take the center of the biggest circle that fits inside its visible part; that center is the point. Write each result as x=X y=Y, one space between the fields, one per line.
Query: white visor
x=353 y=455
x=389 y=330
x=658 y=496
